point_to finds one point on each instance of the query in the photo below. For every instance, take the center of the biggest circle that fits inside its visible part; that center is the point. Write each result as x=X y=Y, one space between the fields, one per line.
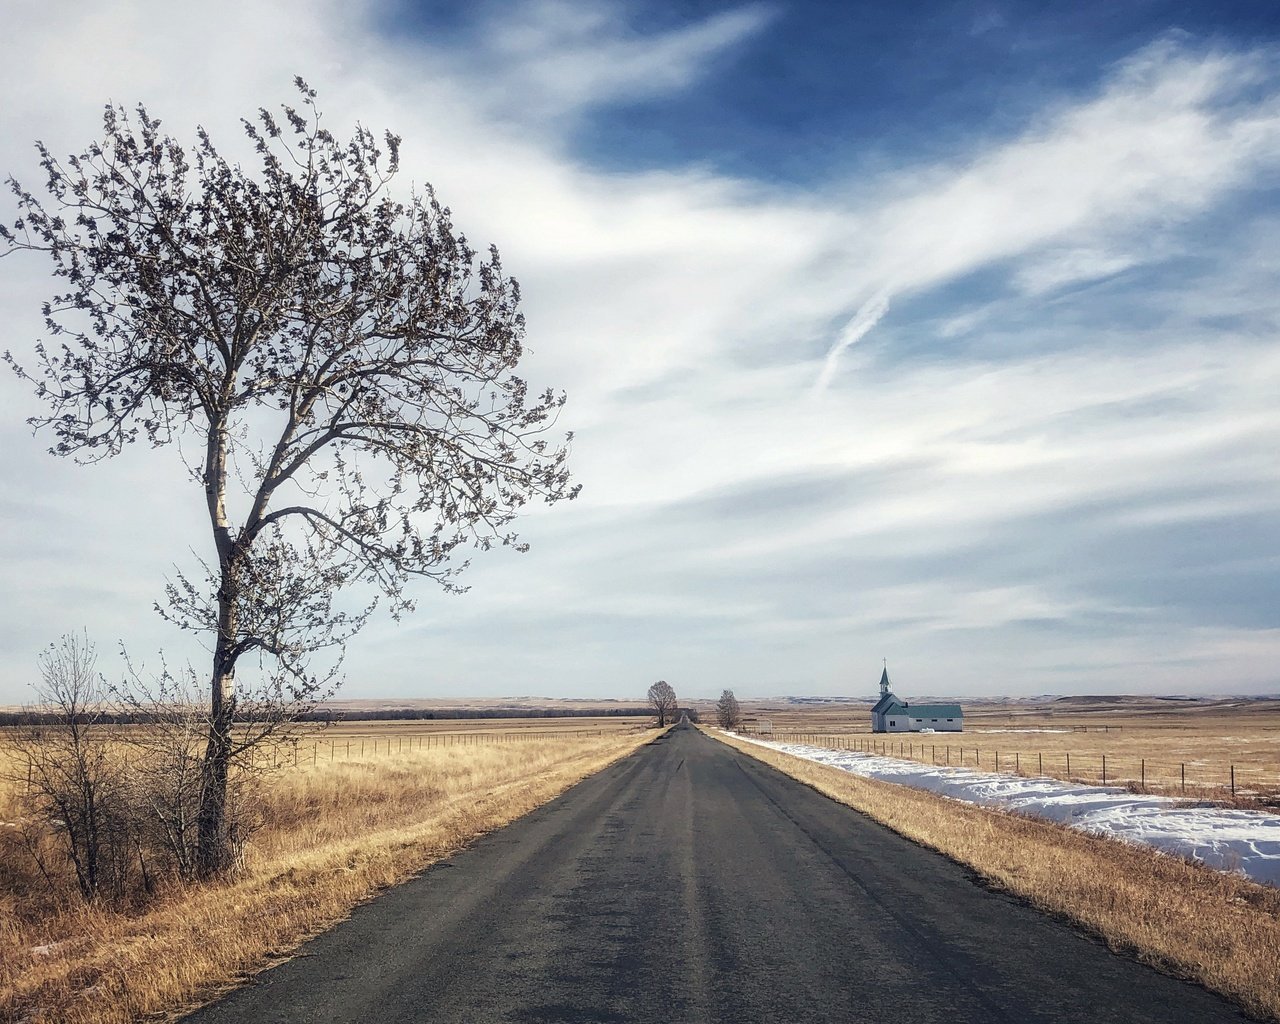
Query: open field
x=1188 y=920
x=360 y=740
x=484 y=705
x=357 y=806
x=330 y=833
x=1168 y=746
x=472 y=726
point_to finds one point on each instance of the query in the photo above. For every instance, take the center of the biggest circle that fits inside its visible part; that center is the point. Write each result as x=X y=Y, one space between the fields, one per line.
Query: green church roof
x=934 y=710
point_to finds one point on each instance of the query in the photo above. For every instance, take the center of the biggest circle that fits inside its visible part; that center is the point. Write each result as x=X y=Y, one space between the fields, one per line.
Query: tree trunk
x=214 y=853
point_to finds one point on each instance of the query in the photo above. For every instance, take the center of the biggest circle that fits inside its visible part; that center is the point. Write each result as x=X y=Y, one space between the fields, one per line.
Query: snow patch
x=1245 y=842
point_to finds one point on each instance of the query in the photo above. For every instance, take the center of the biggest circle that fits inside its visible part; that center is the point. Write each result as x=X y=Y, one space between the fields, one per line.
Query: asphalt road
x=691 y=883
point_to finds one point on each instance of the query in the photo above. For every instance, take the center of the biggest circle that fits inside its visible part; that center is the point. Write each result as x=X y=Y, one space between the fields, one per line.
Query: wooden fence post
x=1233 y=780
x=1041 y=757
x=1104 y=769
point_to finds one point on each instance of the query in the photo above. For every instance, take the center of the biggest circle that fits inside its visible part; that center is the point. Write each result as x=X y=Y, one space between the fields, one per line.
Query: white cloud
x=552 y=58
x=1062 y=268
x=1170 y=134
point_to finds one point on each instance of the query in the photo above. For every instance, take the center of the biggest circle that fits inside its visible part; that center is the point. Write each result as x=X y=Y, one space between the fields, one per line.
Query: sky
x=943 y=333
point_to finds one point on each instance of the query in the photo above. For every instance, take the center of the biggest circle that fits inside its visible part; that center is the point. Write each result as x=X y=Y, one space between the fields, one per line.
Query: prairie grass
x=357 y=740
x=1187 y=920
x=330 y=835
x=471 y=726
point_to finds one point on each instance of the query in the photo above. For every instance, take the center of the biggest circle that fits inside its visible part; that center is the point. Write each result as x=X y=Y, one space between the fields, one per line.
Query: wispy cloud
x=552 y=58
x=1085 y=192
x=867 y=316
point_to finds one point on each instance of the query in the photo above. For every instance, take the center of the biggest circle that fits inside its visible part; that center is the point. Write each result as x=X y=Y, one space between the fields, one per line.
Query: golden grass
x=422 y=727
x=332 y=836
x=313 y=745
x=1185 y=919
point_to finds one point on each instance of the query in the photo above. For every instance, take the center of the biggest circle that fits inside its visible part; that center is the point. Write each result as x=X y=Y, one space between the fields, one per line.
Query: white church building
x=889 y=714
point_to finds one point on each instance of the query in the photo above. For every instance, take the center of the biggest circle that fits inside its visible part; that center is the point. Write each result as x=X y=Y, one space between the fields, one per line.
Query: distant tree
x=728 y=712
x=662 y=698
x=341 y=359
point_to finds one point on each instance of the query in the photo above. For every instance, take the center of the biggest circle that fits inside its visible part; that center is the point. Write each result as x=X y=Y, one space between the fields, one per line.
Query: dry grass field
x=1187 y=920
x=330 y=834
x=356 y=741
x=492 y=706
x=1153 y=744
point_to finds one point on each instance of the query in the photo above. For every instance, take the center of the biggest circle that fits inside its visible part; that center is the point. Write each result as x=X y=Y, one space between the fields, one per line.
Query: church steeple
x=884 y=679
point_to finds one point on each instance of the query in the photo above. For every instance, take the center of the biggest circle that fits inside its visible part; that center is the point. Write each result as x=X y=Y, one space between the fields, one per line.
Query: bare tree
x=728 y=712
x=662 y=698
x=75 y=786
x=341 y=358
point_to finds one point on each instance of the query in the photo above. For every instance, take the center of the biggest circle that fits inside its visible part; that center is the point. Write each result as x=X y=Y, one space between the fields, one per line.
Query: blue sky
x=820 y=88
x=939 y=332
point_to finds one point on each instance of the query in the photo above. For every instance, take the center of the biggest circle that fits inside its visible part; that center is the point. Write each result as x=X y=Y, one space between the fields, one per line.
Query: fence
x=361 y=746
x=1195 y=777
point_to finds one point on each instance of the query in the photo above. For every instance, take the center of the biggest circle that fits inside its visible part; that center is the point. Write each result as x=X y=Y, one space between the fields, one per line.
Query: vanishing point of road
x=691 y=883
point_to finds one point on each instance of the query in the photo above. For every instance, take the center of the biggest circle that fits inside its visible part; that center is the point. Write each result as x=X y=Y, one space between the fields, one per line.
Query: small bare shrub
x=76 y=792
